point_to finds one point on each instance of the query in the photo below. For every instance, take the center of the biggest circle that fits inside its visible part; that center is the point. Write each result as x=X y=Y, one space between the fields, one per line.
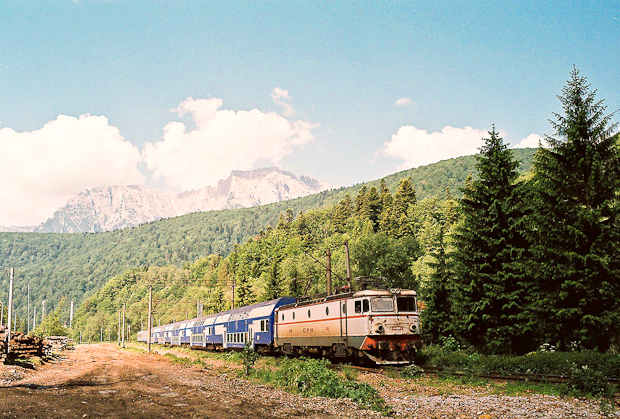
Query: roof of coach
x=258 y=309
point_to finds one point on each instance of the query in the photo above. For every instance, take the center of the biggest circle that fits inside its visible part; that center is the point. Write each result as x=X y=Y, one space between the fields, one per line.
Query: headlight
x=413 y=327
x=380 y=329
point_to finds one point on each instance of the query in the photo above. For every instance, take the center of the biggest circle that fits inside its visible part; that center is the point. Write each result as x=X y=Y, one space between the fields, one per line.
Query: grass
x=312 y=377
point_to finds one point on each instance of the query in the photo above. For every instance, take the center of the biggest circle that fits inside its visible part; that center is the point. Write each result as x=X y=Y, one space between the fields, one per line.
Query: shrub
x=411 y=371
x=250 y=356
x=586 y=381
x=312 y=377
x=542 y=362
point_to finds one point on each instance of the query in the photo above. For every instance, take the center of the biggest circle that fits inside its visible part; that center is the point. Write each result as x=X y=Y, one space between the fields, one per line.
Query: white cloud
x=404 y=101
x=417 y=147
x=281 y=98
x=531 y=141
x=224 y=140
x=42 y=169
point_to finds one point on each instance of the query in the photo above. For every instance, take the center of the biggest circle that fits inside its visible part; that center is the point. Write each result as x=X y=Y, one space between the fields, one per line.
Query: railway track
x=496 y=376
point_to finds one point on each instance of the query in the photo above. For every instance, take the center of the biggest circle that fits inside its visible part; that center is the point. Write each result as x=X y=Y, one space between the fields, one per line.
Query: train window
x=382 y=304
x=282 y=316
x=344 y=308
x=365 y=305
x=358 y=306
x=327 y=311
x=405 y=304
x=266 y=325
x=293 y=315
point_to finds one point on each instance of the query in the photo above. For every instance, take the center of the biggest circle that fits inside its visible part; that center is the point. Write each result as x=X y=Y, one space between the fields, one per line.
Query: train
x=379 y=326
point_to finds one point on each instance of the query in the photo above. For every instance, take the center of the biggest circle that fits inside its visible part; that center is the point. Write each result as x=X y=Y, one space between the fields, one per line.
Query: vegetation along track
x=495 y=376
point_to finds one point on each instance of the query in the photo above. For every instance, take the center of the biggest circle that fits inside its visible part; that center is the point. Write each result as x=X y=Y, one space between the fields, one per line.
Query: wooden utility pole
x=329 y=272
x=71 y=316
x=34 y=317
x=28 y=315
x=9 y=320
x=119 y=328
x=123 y=325
x=150 y=316
x=233 y=297
x=348 y=262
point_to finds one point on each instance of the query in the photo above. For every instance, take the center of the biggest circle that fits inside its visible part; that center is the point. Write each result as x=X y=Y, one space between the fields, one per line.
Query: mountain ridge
x=113 y=207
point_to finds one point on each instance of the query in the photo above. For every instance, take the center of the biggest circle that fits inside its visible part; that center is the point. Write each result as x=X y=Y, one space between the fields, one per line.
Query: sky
x=177 y=94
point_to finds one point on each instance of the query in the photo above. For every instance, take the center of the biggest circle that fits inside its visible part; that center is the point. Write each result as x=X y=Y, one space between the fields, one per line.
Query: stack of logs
x=23 y=346
x=3 y=338
x=59 y=343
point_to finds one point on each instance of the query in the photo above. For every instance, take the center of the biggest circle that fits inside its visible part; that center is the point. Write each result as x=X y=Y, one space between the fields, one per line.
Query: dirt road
x=102 y=381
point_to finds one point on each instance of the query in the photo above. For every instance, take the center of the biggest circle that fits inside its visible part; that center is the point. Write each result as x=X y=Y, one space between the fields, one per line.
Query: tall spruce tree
x=576 y=223
x=437 y=294
x=371 y=207
x=490 y=281
x=343 y=211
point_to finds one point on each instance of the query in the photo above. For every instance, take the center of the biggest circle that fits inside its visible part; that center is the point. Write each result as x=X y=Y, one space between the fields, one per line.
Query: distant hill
x=77 y=264
x=109 y=208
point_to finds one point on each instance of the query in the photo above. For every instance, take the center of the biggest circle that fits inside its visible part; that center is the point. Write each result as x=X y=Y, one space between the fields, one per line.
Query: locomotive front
x=392 y=325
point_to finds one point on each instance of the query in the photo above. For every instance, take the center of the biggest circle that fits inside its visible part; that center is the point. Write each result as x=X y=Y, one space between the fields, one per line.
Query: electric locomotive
x=381 y=326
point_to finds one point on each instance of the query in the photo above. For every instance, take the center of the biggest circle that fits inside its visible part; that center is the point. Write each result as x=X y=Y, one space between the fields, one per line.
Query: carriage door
x=251 y=334
x=343 y=321
x=224 y=337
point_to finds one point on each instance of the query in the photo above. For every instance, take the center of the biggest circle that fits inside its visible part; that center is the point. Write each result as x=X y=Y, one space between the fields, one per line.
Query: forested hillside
x=74 y=265
x=516 y=263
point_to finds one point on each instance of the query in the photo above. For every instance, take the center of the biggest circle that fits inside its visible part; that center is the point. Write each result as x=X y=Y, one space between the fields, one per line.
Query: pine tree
x=576 y=223
x=244 y=292
x=437 y=296
x=384 y=193
x=344 y=210
x=371 y=207
x=273 y=284
x=359 y=200
x=403 y=197
x=491 y=284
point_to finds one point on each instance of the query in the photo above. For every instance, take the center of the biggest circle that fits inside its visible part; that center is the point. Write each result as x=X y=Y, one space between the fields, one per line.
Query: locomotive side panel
x=319 y=324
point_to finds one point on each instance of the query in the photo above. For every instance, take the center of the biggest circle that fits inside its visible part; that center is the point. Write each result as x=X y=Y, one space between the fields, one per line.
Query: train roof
x=353 y=294
x=263 y=308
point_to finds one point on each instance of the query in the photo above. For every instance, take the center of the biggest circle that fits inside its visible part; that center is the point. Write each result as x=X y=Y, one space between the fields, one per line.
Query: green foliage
x=575 y=223
x=51 y=325
x=312 y=377
x=76 y=265
x=586 y=381
x=490 y=284
x=550 y=363
x=250 y=356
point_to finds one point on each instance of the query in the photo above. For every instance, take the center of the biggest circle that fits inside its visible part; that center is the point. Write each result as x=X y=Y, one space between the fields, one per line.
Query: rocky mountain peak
x=112 y=207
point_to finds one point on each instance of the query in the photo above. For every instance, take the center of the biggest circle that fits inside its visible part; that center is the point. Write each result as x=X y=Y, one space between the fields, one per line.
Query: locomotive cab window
x=406 y=304
x=362 y=306
x=382 y=304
